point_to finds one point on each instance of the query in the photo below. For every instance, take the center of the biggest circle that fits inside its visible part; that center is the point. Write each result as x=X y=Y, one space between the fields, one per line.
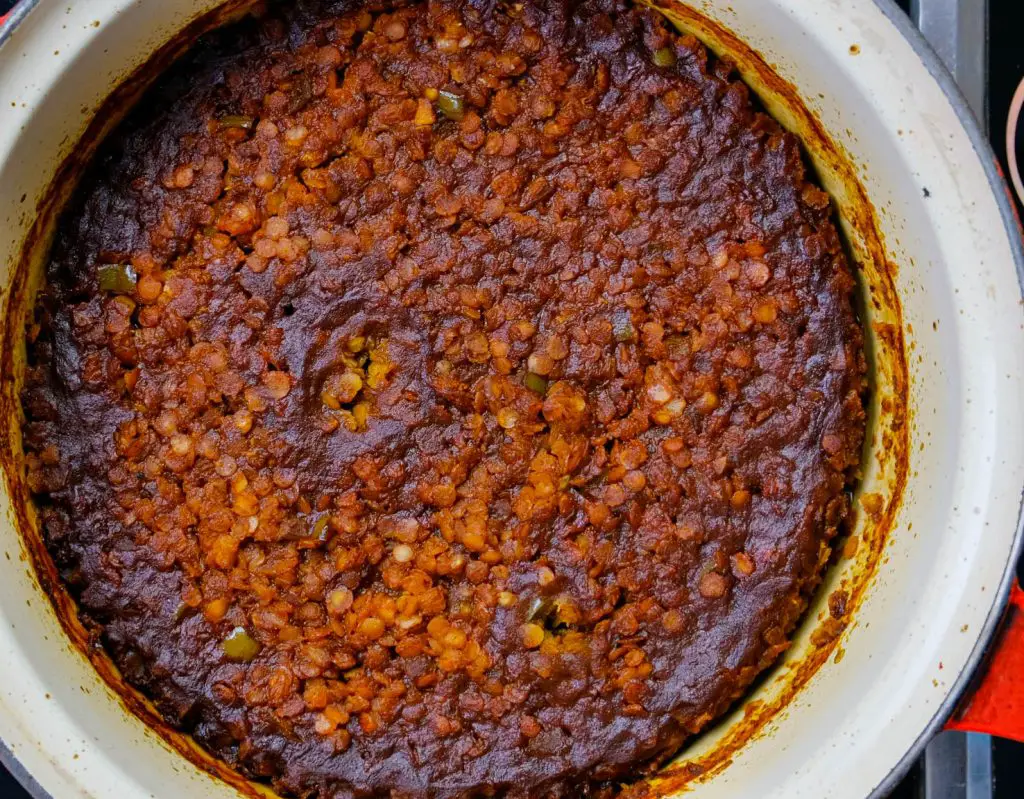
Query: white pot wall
x=938 y=591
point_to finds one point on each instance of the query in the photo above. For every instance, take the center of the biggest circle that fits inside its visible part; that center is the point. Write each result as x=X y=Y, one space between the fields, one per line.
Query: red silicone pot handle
x=997 y=705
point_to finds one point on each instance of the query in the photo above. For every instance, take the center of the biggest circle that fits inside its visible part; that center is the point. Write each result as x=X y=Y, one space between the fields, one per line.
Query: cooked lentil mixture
x=445 y=400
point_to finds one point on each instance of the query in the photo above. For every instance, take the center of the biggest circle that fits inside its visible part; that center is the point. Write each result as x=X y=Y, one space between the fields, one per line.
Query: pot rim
x=1014 y=230
x=1015 y=234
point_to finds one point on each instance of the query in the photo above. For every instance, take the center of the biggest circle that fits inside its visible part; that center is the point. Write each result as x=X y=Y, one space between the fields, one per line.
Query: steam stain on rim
x=888 y=418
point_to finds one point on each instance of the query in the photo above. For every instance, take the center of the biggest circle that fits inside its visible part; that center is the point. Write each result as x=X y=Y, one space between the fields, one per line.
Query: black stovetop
x=999 y=763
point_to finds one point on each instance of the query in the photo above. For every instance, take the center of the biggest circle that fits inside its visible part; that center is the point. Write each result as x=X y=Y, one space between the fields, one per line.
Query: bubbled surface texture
x=446 y=400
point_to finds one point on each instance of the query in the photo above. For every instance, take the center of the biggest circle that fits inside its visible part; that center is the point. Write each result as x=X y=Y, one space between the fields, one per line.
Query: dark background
x=1006 y=62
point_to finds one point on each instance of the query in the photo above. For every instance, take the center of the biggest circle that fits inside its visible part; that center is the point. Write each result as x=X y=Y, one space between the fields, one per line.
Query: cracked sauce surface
x=445 y=400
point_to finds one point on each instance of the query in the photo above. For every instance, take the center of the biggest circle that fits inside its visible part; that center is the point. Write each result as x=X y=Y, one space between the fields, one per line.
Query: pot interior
x=937 y=511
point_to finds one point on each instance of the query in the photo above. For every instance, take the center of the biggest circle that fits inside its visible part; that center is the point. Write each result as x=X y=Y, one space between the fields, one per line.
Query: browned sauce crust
x=445 y=401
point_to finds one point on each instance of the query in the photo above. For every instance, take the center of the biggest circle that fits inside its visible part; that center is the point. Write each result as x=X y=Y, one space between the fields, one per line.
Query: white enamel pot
x=938 y=527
